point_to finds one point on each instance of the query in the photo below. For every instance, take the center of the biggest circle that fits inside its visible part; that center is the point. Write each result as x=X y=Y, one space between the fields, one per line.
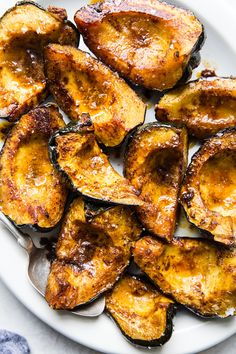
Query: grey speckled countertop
x=42 y=339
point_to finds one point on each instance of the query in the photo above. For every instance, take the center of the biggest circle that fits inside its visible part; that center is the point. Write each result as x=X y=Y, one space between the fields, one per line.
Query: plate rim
x=57 y=328
x=199 y=7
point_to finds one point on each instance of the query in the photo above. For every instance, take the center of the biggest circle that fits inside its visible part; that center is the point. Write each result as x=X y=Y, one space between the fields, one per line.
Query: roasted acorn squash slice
x=90 y=256
x=151 y=43
x=196 y=273
x=205 y=106
x=24 y=30
x=208 y=194
x=77 y=155
x=142 y=313
x=155 y=162
x=31 y=190
x=82 y=84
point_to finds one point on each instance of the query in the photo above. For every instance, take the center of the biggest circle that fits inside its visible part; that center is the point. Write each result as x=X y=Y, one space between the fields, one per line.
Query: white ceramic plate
x=191 y=334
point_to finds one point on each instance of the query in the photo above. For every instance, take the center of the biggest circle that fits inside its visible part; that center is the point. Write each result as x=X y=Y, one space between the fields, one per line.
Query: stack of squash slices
x=56 y=174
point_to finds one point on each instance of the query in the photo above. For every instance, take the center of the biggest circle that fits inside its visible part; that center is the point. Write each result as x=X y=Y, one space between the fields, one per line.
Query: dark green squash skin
x=207 y=235
x=194 y=61
x=156 y=342
x=191 y=309
x=153 y=343
x=34 y=227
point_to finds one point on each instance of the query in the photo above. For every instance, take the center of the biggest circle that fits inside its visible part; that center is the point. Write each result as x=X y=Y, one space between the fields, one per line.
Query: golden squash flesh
x=205 y=106
x=142 y=313
x=90 y=256
x=77 y=155
x=208 y=193
x=149 y=42
x=24 y=31
x=196 y=273
x=155 y=162
x=31 y=190
x=82 y=84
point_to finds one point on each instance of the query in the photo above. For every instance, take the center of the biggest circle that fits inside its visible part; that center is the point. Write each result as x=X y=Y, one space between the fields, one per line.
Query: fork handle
x=22 y=239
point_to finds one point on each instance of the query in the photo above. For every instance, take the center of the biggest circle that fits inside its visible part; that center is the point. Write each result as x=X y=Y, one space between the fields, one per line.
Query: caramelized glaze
x=154 y=164
x=141 y=311
x=148 y=42
x=90 y=256
x=208 y=193
x=81 y=83
x=24 y=31
x=196 y=273
x=88 y=169
x=205 y=106
x=31 y=190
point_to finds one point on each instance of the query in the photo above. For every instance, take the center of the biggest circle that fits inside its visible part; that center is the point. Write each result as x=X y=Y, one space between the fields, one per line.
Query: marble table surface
x=42 y=339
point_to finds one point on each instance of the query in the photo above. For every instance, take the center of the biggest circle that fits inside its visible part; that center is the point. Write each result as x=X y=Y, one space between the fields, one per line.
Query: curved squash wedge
x=208 y=194
x=82 y=84
x=142 y=313
x=31 y=190
x=155 y=161
x=76 y=154
x=90 y=257
x=196 y=273
x=151 y=43
x=205 y=106
x=24 y=30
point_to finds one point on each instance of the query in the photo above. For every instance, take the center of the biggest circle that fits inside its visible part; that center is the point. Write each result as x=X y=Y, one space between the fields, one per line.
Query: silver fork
x=39 y=267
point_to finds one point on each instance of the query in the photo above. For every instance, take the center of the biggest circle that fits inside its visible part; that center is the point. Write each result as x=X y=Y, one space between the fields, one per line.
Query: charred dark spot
x=177 y=54
x=187 y=197
x=139 y=289
x=42 y=116
x=65 y=80
x=208 y=73
x=5 y=129
x=148 y=252
x=167 y=265
x=58 y=11
x=147 y=93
